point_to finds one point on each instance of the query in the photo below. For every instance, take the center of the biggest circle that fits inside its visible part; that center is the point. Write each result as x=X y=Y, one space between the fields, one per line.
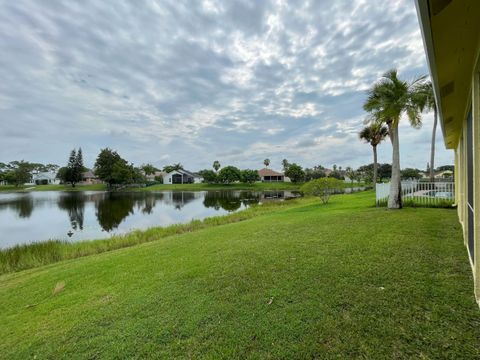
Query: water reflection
x=38 y=216
x=74 y=205
x=22 y=205
x=112 y=209
x=231 y=200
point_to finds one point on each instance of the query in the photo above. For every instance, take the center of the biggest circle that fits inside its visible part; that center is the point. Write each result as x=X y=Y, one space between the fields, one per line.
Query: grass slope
x=160 y=187
x=260 y=186
x=27 y=256
x=237 y=186
x=310 y=281
x=53 y=187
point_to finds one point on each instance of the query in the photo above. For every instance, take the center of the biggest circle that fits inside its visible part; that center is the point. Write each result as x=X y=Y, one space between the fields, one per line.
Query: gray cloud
x=169 y=81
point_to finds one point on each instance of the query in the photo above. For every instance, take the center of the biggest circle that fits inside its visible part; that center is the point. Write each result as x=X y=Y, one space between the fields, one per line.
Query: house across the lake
x=88 y=177
x=269 y=175
x=155 y=175
x=452 y=42
x=45 y=178
x=181 y=177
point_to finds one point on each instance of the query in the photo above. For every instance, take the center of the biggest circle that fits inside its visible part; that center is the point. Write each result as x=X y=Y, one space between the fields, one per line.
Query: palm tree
x=177 y=166
x=285 y=164
x=387 y=101
x=431 y=105
x=216 y=165
x=374 y=134
x=266 y=162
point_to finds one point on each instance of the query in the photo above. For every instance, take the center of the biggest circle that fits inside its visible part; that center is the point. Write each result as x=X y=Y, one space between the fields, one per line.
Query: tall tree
x=105 y=163
x=216 y=165
x=266 y=162
x=388 y=99
x=431 y=105
x=374 y=134
x=79 y=168
x=72 y=173
x=285 y=164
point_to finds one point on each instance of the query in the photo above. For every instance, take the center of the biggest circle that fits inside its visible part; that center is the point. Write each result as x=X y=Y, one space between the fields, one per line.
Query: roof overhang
x=451 y=37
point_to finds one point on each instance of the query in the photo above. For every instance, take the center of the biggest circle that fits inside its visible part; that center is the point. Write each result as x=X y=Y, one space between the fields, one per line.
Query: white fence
x=419 y=192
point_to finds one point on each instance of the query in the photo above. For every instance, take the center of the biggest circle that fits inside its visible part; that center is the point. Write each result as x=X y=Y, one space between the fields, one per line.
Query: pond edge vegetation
x=27 y=256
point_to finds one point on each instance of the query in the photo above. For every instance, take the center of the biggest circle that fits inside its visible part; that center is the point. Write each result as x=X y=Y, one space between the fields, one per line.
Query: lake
x=73 y=216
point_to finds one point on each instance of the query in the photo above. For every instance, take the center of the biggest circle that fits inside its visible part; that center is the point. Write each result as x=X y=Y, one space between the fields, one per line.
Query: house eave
x=423 y=13
x=451 y=37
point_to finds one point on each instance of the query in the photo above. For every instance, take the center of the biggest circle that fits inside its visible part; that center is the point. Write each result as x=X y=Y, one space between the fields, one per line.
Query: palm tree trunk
x=375 y=166
x=395 y=198
x=432 y=153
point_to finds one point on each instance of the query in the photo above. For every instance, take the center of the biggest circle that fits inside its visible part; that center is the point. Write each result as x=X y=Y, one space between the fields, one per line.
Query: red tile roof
x=268 y=172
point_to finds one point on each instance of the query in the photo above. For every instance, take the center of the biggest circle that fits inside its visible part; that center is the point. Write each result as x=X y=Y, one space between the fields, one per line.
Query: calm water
x=39 y=216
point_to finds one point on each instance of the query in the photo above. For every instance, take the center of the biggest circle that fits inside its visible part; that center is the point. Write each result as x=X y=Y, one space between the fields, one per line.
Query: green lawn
x=54 y=187
x=160 y=187
x=238 y=186
x=10 y=188
x=303 y=281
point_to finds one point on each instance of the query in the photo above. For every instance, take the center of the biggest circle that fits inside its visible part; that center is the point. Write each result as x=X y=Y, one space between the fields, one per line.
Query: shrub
x=322 y=188
x=229 y=174
x=209 y=176
x=295 y=173
x=249 y=176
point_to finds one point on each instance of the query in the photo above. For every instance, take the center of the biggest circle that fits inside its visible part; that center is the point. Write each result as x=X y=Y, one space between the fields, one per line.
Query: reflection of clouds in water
x=38 y=216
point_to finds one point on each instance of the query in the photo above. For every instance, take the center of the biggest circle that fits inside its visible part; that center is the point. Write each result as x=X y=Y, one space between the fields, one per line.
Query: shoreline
x=36 y=254
x=263 y=186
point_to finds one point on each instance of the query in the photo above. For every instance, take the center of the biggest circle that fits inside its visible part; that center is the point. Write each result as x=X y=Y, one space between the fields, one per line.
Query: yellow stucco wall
x=476 y=173
x=451 y=37
x=461 y=195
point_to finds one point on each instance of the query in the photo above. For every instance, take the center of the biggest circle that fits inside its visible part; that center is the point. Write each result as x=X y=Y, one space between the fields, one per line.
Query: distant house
x=88 y=177
x=45 y=178
x=443 y=174
x=181 y=177
x=155 y=175
x=269 y=175
x=327 y=172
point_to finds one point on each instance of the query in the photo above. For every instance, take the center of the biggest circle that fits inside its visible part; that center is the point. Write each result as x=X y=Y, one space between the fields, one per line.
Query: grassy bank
x=27 y=256
x=346 y=280
x=206 y=187
x=238 y=186
x=53 y=187
x=160 y=187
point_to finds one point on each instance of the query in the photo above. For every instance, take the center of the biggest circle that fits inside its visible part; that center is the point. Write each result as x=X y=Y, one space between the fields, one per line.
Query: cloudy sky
x=196 y=81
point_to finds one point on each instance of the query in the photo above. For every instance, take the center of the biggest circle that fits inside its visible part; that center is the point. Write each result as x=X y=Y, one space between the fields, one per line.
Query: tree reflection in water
x=22 y=205
x=112 y=209
x=74 y=205
x=44 y=215
x=230 y=200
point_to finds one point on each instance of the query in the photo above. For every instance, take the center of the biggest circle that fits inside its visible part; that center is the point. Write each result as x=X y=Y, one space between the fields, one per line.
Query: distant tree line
x=20 y=172
x=114 y=170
